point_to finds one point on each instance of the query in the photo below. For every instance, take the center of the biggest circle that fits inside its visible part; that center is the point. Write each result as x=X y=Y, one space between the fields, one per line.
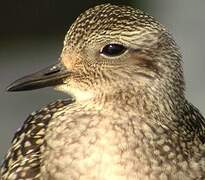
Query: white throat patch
x=79 y=95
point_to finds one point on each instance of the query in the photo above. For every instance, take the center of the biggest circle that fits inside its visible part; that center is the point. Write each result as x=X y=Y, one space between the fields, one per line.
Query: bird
x=126 y=115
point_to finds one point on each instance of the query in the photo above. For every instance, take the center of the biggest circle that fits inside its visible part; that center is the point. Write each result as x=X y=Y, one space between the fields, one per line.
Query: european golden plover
x=128 y=117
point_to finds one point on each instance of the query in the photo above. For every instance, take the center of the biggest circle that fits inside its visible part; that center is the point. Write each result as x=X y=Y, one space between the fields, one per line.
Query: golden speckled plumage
x=128 y=117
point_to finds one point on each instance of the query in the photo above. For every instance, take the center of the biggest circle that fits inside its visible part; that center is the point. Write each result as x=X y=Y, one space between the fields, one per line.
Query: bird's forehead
x=109 y=19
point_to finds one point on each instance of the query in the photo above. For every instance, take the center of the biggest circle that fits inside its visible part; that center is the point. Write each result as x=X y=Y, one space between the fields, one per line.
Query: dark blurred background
x=31 y=37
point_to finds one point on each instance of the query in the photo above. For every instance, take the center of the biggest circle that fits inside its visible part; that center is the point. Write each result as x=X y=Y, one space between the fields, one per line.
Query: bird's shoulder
x=23 y=157
x=195 y=122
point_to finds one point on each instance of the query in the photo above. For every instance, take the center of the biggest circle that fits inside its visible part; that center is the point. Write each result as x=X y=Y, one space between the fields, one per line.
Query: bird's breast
x=91 y=145
x=87 y=145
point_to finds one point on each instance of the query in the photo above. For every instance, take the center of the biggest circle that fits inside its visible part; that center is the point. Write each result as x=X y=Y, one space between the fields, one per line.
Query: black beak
x=50 y=76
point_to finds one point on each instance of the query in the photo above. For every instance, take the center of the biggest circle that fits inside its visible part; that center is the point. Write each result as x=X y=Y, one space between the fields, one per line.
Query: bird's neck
x=155 y=105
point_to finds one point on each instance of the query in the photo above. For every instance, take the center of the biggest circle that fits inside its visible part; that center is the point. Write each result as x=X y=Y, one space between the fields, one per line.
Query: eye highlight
x=112 y=50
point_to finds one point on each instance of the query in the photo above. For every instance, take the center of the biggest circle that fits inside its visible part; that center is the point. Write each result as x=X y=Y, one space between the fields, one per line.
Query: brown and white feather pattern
x=130 y=119
x=23 y=160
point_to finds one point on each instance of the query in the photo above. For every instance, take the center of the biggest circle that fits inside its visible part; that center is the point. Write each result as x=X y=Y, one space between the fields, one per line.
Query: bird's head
x=111 y=49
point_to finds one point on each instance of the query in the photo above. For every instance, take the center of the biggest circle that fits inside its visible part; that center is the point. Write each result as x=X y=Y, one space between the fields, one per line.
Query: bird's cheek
x=70 y=60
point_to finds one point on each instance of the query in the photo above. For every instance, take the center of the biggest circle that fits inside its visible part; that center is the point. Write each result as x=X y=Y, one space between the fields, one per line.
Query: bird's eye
x=113 y=50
